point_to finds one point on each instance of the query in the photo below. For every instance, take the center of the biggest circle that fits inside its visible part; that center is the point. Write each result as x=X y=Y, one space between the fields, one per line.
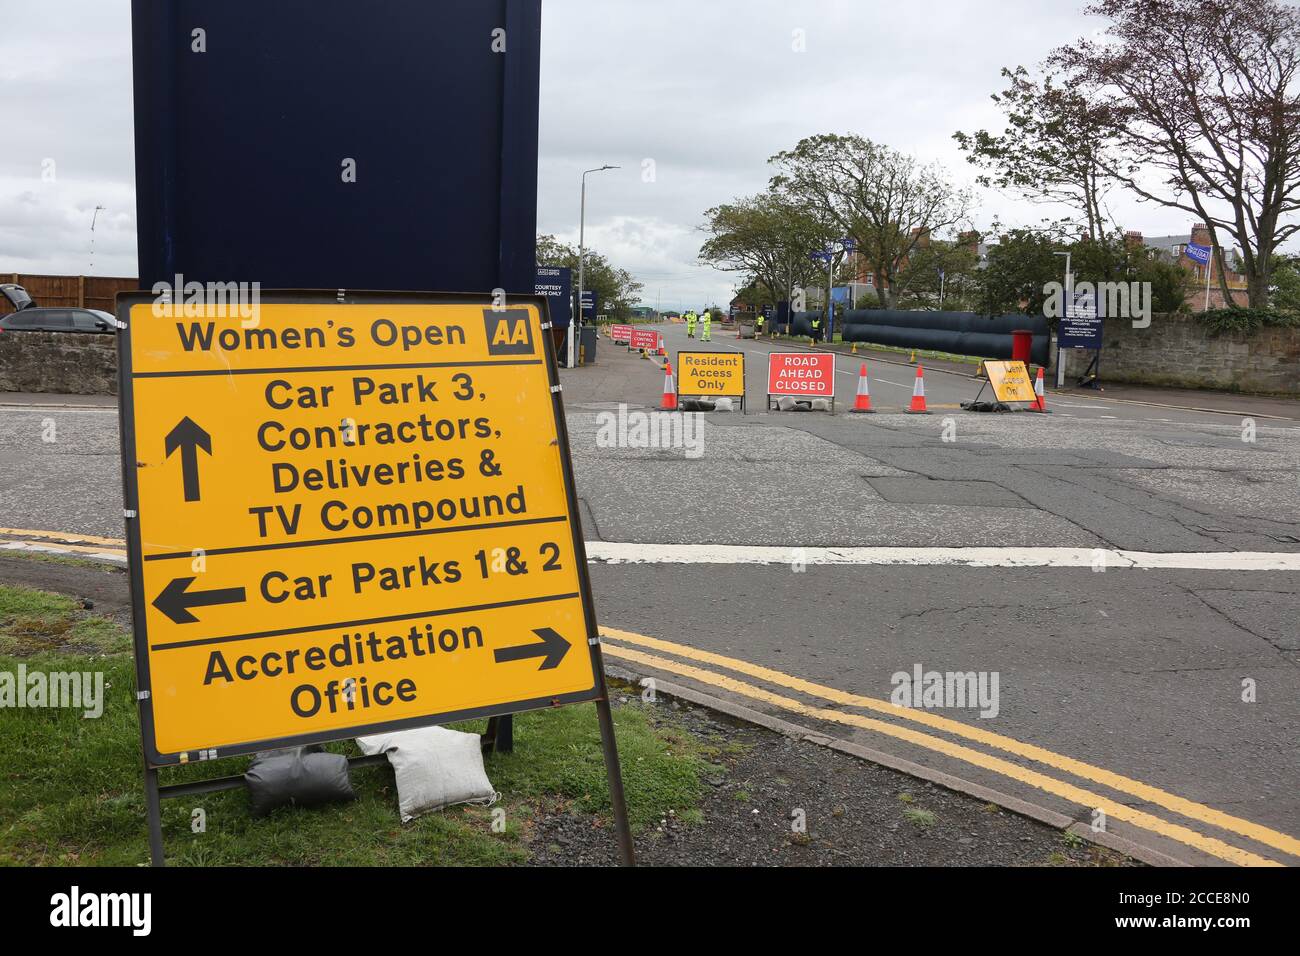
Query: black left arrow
x=176 y=599
x=189 y=438
x=553 y=648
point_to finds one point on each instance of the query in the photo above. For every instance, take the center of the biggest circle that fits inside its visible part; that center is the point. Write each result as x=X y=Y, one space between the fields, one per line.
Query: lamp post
x=582 y=254
x=1067 y=306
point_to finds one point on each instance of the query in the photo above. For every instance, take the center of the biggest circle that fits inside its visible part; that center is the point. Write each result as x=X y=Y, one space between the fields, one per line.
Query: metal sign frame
x=130 y=491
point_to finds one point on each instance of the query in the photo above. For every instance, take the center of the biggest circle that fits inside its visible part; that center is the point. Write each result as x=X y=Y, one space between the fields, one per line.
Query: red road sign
x=644 y=339
x=620 y=333
x=801 y=374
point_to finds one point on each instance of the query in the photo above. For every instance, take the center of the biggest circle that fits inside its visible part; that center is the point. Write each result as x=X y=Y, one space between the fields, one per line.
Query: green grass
x=921 y=818
x=71 y=790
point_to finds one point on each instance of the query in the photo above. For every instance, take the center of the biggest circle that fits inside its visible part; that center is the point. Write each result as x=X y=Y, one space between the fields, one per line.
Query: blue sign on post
x=556 y=283
x=588 y=307
x=1081 y=325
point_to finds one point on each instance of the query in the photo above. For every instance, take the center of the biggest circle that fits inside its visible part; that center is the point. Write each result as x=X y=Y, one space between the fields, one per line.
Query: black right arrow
x=189 y=437
x=176 y=599
x=553 y=648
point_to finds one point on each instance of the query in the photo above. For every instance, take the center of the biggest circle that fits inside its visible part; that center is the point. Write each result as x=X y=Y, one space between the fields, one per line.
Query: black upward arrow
x=189 y=437
x=553 y=648
x=176 y=599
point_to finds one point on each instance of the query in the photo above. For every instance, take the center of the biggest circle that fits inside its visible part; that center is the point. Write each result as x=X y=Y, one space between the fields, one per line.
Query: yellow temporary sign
x=345 y=514
x=1010 y=381
x=711 y=374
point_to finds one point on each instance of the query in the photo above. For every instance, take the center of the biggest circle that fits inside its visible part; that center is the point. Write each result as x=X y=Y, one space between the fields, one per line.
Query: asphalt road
x=1120 y=683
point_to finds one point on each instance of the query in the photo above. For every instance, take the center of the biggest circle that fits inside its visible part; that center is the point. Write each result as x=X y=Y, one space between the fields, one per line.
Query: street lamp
x=1067 y=305
x=582 y=252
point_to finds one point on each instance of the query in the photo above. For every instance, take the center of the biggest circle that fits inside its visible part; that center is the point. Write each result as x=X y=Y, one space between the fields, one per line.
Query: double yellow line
x=614 y=645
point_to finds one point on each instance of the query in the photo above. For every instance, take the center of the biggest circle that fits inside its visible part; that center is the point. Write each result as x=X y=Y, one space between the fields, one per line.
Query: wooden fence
x=82 y=292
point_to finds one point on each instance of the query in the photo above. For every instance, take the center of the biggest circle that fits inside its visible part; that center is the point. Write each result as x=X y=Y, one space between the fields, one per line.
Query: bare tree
x=886 y=202
x=1205 y=94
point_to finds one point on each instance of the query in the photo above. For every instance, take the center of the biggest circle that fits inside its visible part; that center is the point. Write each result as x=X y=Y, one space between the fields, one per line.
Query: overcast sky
x=706 y=90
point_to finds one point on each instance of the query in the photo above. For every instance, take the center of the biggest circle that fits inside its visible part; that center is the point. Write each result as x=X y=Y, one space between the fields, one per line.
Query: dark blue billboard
x=325 y=144
x=556 y=283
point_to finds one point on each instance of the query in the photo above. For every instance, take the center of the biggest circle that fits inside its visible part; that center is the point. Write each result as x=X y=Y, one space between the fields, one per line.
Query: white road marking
x=610 y=552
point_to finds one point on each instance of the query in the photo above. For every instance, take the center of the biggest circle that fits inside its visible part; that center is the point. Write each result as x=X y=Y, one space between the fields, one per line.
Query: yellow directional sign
x=711 y=374
x=1010 y=381
x=350 y=513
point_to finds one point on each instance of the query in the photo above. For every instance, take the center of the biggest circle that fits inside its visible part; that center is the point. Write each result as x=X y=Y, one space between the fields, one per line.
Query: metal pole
x=153 y=810
x=615 y=777
x=1068 y=305
x=1209 y=268
x=574 y=323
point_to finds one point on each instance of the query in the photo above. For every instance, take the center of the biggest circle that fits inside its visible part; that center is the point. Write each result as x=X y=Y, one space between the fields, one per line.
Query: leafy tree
x=767 y=237
x=885 y=201
x=1053 y=150
x=1019 y=266
x=1203 y=100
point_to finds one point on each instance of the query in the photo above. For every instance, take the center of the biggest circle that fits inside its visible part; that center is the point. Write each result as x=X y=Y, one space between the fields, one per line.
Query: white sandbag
x=724 y=405
x=435 y=768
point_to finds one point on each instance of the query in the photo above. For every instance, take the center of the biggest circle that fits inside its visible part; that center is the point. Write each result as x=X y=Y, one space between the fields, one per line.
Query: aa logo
x=508 y=332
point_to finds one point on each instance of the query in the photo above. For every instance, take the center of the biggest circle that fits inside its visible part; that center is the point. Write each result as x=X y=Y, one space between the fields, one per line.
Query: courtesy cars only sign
x=346 y=514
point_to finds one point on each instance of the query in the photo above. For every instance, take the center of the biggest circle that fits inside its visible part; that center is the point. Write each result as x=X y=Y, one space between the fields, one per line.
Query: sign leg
x=615 y=776
x=153 y=810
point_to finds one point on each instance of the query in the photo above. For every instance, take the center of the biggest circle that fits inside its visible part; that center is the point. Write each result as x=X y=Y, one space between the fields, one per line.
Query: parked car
x=33 y=318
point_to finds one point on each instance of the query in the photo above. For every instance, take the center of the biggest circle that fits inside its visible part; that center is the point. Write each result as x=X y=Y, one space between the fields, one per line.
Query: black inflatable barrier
x=959 y=333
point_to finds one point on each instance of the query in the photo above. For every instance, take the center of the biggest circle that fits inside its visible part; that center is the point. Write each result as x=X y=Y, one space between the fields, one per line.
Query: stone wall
x=69 y=363
x=1179 y=351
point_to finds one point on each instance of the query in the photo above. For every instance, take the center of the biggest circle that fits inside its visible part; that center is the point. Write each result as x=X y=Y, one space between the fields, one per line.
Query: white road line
x=620 y=553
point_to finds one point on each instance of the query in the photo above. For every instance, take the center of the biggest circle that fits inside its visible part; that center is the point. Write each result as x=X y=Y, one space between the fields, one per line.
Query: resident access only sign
x=351 y=513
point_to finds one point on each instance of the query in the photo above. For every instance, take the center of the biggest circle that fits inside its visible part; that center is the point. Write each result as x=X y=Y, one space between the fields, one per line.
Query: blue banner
x=1197 y=253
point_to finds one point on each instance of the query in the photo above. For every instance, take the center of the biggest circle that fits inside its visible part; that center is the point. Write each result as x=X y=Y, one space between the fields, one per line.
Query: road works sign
x=1010 y=381
x=345 y=514
x=801 y=375
x=620 y=333
x=711 y=374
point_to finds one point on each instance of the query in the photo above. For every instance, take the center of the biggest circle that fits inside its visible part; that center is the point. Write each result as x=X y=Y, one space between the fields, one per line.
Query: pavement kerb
x=1024 y=808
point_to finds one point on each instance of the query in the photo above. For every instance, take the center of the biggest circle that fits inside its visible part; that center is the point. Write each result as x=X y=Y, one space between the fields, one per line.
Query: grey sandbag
x=298 y=776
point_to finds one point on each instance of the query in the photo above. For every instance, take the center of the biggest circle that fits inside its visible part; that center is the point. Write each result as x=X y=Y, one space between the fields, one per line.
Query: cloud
x=706 y=91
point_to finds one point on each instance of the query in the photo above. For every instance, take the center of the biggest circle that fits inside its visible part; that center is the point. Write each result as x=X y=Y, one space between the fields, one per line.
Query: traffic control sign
x=645 y=339
x=348 y=514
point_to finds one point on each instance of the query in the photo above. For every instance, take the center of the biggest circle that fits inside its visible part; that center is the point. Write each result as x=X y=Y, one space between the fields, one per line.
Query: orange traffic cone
x=663 y=352
x=670 y=390
x=863 y=401
x=1039 y=403
x=918 y=394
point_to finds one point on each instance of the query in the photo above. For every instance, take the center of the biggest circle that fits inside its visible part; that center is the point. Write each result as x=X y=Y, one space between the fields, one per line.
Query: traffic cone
x=1039 y=403
x=670 y=390
x=918 y=394
x=663 y=352
x=862 y=403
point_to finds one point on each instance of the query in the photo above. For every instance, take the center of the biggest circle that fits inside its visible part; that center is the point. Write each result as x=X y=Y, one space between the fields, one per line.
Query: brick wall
x=68 y=363
x=1179 y=351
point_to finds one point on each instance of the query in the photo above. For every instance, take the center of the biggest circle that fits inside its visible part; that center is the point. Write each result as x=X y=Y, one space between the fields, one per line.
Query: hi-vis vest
x=707 y=318
x=817 y=323
x=690 y=318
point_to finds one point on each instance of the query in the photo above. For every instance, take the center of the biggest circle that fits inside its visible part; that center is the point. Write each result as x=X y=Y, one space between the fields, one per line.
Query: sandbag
x=298 y=776
x=435 y=768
